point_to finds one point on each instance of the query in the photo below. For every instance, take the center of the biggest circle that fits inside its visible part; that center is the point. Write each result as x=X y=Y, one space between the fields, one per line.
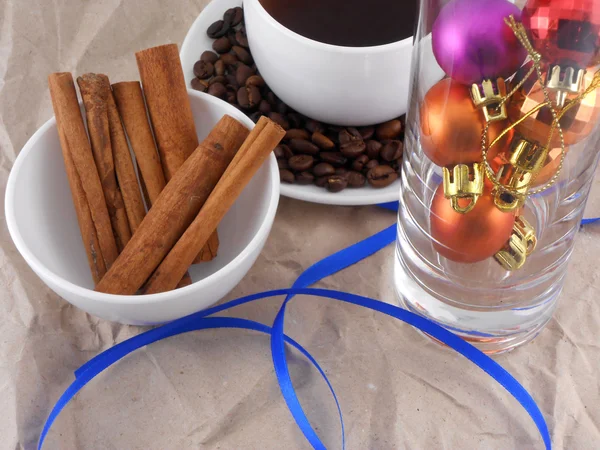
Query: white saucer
x=196 y=42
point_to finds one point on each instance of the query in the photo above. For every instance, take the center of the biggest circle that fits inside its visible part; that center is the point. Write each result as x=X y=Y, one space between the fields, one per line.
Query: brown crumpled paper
x=216 y=389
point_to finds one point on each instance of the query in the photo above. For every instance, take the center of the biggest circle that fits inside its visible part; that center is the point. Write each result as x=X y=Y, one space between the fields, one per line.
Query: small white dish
x=197 y=41
x=42 y=223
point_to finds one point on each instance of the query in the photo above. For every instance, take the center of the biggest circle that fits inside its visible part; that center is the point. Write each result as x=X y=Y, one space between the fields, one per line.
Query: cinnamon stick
x=170 y=113
x=95 y=90
x=175 y=209
x=84 y=216
x=128 y=182
x=132 y=108
x=256 y=149
x=81 y=169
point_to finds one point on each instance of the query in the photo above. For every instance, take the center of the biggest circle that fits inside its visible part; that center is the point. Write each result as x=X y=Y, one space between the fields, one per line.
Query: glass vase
x=484 y=243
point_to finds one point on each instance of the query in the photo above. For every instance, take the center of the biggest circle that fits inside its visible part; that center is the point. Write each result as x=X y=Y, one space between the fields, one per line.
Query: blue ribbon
x=320 y=270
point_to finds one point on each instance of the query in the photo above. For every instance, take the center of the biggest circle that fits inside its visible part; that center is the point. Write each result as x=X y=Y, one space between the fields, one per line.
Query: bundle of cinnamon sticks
x=142 y=229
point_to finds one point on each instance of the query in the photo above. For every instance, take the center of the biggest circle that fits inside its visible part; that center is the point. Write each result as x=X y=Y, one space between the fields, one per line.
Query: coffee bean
x=218 y=90
x=221 y=45
x=232 y=82
x=264 y=107
x=241 y=38
x=303 y=147
x=322 y=181
x=323 y=169
x=283 y=151
x=353 y=149
x=220 y=68
x=255 y=116
x=333 y=158
x=209 y=56
x=337 y=183
x=230 y=97
x=272 y=99
x=231 y=36
x=234 y=16
x=242 y=73
x=255 y=80
x=366 y=132
x=230 y=60
x=300 y=163
x=280 y=120
x=204 y=70
x=220 y=79
x=340 y=171
x=348 y=135
x=322 y=141
x=287 y=176
x=281 y=108
x=283 y=164
x=242 y=54
x=248 y=97
x=360 y=162
x=314 y=127
x=305 y=178
x=295 y=120
x=335 y=128
x=373 y=149
x=381 y=176
x=392 y=151
x=371 y=164
x=297 y=133
x=199 y=85
x=218 y=29
x=356 y=179
x=389 y=130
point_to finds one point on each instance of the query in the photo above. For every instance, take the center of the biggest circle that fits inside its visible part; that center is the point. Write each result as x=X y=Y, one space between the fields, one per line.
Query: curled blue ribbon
x=320 y=270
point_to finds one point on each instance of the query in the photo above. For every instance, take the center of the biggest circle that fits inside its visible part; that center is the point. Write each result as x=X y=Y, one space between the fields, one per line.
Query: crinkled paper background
x=217 y=390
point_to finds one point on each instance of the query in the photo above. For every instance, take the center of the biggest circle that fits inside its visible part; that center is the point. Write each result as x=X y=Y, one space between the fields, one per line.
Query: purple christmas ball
x=471 y=41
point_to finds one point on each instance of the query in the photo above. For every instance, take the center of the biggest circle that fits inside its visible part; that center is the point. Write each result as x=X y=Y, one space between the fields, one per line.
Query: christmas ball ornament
x=472 y=237
x=577 y=123
x=451 y=126
x=564 y=31
x=471 y=41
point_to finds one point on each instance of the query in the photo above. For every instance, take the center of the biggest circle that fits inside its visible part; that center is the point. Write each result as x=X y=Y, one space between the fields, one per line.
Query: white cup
x=349 y=86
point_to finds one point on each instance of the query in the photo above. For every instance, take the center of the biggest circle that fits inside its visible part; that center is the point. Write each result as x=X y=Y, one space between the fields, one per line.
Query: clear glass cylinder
x=493 y=274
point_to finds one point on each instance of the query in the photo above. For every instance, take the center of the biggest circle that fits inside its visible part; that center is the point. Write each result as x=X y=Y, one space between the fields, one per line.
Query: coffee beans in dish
x=332 y=157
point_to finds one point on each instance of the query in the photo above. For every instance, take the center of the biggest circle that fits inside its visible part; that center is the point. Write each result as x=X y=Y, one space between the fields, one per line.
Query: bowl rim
x=225 y=271
x=389 y=47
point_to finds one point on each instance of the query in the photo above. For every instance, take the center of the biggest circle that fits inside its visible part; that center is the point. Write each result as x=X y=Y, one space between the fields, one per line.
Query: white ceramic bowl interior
x=42 y=222
x=350 y=86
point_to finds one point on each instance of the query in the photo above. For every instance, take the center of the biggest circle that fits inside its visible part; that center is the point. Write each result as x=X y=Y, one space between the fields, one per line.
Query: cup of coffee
x=344 y=62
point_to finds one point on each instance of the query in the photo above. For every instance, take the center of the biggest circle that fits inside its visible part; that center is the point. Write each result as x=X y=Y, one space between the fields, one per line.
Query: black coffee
x=349 y=23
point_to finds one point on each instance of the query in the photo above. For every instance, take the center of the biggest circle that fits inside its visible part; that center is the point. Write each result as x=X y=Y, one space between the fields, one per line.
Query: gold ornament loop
x=464 y=182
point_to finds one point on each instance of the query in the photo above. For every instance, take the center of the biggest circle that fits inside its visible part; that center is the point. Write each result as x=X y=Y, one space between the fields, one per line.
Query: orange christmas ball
x=451 y=126
x=577 y=123
x=471 y=237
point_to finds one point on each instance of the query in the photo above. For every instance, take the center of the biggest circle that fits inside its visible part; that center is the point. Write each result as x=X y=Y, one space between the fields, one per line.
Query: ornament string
x=322 y=269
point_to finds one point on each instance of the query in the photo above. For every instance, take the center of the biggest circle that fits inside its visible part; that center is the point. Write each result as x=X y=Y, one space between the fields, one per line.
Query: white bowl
x=42 y=223
x=349 y=86
x=196 y=42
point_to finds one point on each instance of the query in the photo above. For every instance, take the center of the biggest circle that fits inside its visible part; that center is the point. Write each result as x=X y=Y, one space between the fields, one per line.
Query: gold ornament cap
x=521 y=244
x=564 y=81
x=489 y=97
x=464 y=182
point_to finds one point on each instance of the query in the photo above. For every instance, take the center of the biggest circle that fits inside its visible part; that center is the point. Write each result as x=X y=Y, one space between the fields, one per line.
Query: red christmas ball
x=564 y=31
x=472 y=237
